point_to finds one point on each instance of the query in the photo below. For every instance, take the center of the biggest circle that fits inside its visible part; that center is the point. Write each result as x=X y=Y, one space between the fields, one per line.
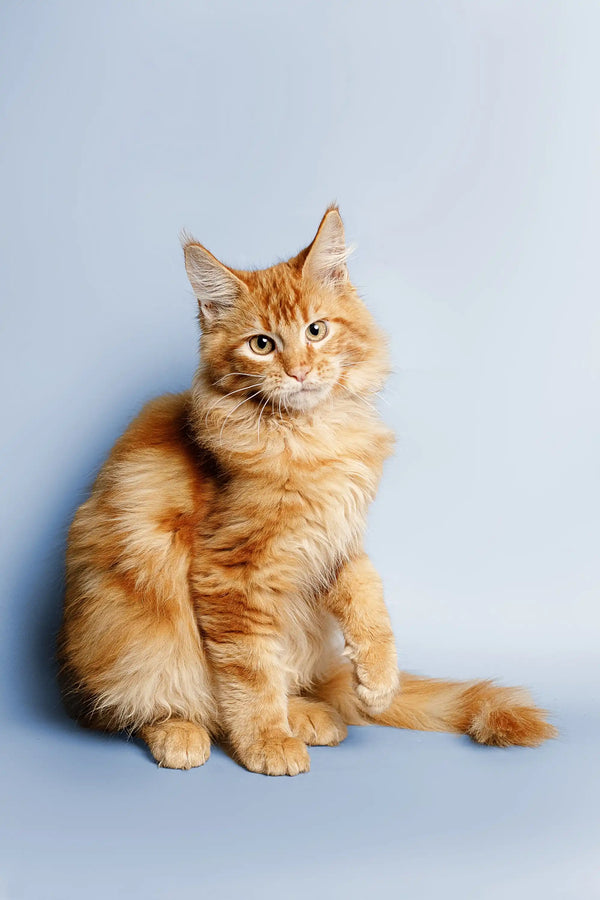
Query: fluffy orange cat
x=217 y=587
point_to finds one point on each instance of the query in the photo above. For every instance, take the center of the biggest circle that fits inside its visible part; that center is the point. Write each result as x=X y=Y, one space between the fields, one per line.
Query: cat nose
x=298 y=372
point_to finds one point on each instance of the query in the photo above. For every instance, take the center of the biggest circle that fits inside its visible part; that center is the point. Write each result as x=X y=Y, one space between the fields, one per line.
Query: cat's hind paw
x=177 y=744
x=316 y=723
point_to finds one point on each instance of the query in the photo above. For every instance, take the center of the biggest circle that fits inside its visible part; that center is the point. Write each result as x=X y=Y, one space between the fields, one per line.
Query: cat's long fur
x=216 y=581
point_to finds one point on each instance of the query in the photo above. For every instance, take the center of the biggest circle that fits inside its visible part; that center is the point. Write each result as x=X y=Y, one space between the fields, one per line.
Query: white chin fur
x=304 y=400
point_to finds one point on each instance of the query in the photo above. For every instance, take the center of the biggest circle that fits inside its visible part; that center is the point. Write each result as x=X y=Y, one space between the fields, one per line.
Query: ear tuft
x=215 y=286
x=327 y=255
x=186 y=238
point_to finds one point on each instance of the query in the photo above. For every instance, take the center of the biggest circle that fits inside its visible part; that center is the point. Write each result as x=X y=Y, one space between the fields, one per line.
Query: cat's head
x=295 y=334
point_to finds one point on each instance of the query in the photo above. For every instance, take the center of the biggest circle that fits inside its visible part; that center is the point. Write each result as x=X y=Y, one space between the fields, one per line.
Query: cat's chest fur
x=292 y=512
x=295 y=509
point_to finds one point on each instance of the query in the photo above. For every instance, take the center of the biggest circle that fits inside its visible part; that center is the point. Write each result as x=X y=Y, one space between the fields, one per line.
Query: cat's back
x=129 y=644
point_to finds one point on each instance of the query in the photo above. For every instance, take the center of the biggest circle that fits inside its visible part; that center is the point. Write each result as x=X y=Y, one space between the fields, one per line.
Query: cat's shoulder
x=157 y=455
x=161 y=424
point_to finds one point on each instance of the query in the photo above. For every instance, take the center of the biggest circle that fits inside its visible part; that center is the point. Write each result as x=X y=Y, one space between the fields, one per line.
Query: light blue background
x=461 y=141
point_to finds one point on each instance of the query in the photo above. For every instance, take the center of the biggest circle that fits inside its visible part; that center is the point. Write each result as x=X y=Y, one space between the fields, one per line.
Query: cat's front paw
x=378 y=679
x=375 y=701
x=275 y=753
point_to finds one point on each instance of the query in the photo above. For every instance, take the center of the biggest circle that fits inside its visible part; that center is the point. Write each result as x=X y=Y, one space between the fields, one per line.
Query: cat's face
x=292 y=335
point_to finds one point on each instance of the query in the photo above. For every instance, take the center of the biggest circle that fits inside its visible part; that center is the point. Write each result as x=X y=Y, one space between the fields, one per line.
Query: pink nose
x=299 y=372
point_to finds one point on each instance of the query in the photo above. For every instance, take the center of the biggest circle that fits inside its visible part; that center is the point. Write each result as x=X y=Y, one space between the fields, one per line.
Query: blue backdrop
x=461 y=141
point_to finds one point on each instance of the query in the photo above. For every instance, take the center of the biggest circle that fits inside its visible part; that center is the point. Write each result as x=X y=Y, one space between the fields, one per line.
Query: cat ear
x=325 y=262
x=215 y=286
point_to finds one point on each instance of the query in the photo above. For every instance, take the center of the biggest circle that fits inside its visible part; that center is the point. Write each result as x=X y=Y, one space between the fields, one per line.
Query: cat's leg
x=241 y=632
x=371 y=690
x=132 y=664
x=356 y=601
x=315 y=722
x=488 y=713
x=131 y=655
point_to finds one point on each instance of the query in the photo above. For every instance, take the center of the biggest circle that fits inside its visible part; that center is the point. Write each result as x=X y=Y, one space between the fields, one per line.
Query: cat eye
x=317 y=331
x=261 y=344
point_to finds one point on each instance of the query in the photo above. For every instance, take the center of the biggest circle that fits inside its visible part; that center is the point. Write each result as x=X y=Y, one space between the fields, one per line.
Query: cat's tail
x=488 y=713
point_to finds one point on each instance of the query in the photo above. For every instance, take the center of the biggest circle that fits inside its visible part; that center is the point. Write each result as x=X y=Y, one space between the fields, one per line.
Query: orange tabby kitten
x=216 y=581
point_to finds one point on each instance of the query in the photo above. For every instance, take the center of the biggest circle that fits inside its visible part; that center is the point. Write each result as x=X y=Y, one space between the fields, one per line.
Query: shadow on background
x=39 y=601
x=35 y=694
x=39 y=585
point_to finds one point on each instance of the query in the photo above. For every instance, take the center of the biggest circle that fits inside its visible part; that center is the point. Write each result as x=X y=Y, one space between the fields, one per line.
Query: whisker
x=381 y=397
x=246 y=387
x=232 y=411
x=248 y=374
x=359 y=397
x=237 y=391
x=260 y=417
